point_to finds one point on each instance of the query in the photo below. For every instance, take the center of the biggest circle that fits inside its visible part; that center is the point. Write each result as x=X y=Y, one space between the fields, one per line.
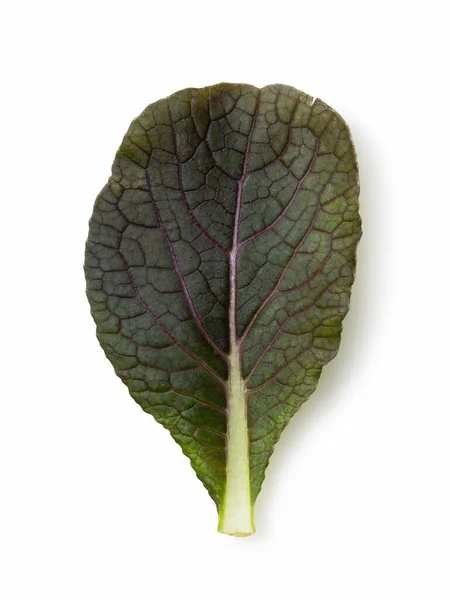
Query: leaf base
x=237 y=521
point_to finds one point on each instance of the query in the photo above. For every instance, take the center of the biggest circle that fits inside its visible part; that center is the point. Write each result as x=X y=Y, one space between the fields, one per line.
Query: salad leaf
x=219 y=264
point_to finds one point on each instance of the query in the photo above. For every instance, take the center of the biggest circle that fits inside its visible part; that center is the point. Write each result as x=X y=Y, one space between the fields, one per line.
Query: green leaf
x=219 y=264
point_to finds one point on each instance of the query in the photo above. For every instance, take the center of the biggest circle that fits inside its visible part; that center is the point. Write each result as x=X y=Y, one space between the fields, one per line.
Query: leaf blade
x=230 y=223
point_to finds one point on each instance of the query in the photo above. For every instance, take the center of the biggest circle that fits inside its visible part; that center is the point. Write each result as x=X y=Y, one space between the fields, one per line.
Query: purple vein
x=157 y=321
x=267 y=414
x=276 y=336
x=289 y=204
x=184 y=195
x=313 y=275
x=217 y=165
x=201 y=401
x=235 y=240
x=181 y=278
x=274 y=377
x=275 y=290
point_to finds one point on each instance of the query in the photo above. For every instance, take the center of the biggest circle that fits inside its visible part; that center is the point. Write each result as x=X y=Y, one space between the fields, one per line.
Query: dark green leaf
x=219 y=263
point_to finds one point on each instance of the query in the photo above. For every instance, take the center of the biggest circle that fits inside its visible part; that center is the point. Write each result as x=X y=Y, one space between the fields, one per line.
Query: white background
x=97 y=502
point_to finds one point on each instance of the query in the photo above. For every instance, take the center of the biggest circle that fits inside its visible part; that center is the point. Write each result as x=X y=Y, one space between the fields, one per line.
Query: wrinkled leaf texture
x=268 y=174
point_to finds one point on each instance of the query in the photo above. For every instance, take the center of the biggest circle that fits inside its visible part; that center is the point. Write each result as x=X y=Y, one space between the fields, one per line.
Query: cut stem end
x=237 y=520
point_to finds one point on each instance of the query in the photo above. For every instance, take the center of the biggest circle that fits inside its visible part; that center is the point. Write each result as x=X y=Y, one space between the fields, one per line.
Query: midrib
x=236 y=514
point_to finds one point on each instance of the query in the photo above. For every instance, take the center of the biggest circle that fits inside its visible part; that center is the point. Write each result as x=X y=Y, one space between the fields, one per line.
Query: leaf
x=219 y=263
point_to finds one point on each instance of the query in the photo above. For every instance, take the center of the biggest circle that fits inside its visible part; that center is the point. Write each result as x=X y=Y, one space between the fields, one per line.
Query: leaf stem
x=237 y=513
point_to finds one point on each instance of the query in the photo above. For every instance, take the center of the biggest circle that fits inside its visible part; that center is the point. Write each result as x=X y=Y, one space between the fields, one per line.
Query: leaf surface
x=219 y=264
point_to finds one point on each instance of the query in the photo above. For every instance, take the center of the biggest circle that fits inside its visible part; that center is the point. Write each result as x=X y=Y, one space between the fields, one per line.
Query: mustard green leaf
x=219 y=263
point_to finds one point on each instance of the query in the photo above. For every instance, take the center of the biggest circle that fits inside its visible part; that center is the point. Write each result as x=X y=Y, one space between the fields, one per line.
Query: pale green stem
x=236 y=516
x=237 y=513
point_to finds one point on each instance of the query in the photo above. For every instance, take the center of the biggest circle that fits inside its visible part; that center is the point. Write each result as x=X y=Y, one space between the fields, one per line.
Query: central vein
x=236 y=515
